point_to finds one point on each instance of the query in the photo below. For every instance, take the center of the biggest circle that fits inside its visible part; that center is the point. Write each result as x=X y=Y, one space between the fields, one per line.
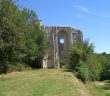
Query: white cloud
x=82 y=8
x=86 y=10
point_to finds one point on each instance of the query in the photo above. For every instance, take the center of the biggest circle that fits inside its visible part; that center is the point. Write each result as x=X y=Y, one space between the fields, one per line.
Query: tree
x=21 y=38
x=85 y=62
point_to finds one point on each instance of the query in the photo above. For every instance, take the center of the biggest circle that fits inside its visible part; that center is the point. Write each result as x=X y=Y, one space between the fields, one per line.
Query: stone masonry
x=61 y=39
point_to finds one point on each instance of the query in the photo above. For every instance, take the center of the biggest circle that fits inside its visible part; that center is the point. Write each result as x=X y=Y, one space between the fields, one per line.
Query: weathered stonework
x=57 y=49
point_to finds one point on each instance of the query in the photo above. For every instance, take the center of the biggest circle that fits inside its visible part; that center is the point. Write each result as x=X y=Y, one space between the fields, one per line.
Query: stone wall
x=57 y=49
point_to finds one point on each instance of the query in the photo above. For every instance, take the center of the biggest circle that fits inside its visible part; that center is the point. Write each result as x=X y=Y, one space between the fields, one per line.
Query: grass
x=98 y=89
x=45 y=82
x=37 y=83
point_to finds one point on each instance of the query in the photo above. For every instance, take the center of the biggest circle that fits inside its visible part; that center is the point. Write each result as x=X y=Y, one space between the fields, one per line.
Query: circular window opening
x=62 y=41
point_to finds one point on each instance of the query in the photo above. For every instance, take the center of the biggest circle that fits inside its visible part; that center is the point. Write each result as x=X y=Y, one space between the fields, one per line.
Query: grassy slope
x=99 y=88
x=47 y=82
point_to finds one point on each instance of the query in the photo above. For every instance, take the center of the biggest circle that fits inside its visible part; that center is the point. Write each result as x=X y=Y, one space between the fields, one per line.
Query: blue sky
x=92 y=17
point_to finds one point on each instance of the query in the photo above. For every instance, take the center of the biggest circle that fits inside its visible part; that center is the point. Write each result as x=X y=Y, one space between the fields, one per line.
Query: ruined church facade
x=61 y=38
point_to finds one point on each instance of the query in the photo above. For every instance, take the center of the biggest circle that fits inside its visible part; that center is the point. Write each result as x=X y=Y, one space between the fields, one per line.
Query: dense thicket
x=87 y=64
x=21 y=40
x=105 y=75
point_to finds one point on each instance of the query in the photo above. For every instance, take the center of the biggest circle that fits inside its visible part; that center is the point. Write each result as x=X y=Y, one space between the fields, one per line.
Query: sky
x=92 y=17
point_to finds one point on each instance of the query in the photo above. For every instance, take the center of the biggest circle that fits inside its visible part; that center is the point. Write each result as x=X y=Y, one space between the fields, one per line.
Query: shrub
x=62 y=62
x=85 y=62
x=83 y=72
x=16 y=67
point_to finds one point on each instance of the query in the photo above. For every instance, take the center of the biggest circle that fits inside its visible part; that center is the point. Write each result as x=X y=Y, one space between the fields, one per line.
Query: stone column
x=57 y=51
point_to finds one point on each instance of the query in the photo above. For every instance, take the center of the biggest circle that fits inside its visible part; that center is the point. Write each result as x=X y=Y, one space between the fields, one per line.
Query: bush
x=83 y=72
x=106 y=73
x=62 y=62
x=16 y=67
x=85 y=62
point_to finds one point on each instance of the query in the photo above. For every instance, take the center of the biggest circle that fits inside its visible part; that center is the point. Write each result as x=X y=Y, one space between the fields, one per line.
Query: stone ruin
x=61 y=39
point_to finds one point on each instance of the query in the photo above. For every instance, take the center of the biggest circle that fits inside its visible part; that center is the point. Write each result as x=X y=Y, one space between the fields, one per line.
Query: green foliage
x=17 y=67
x=85 y=62
x=83 y=72
x=95 y=66
x=105 y=75
x=62 y=62
x=89 y=65
x=21 y=38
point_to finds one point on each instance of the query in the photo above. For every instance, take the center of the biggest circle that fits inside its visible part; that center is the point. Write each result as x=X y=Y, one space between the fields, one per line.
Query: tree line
x=22 y=42
x=88 y=65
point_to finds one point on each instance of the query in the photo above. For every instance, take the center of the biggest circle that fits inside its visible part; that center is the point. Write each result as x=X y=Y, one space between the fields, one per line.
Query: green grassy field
x=43 y=82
